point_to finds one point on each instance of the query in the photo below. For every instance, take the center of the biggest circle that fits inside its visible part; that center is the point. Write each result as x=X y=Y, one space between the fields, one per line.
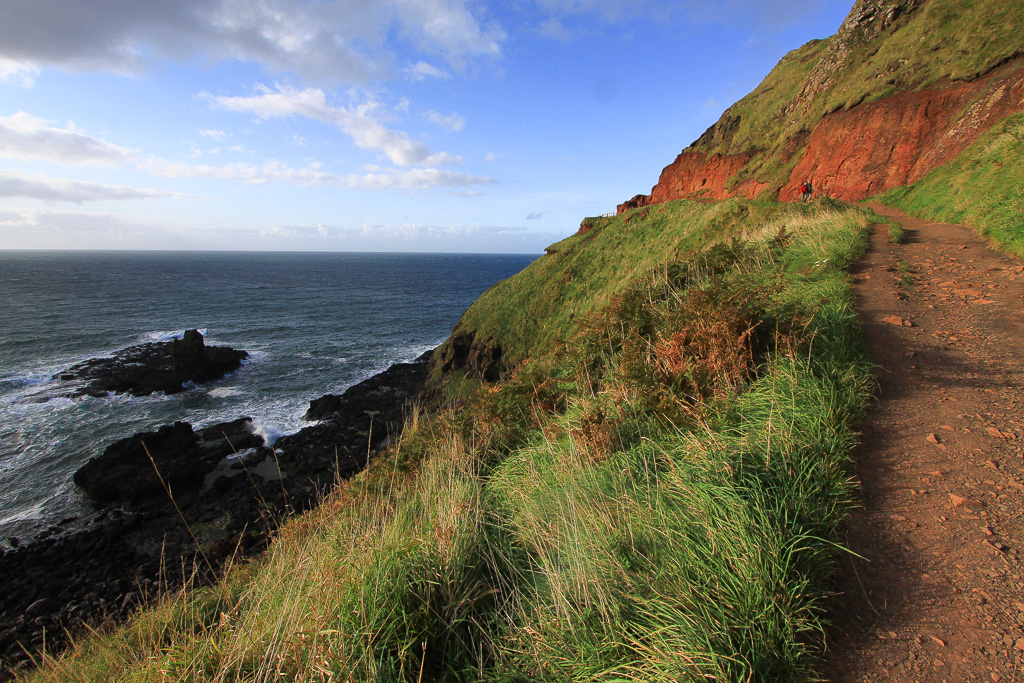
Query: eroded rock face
x=862 y=151
x=867 y=20
x=481 y=359
x=898 y=140
x=698 y=175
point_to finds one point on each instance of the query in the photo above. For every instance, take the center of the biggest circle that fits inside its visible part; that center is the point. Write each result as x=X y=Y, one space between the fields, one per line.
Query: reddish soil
x=937 y=592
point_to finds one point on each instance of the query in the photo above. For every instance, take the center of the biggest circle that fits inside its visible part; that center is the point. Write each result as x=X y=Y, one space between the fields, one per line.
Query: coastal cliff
x=902 y=89
x=637 y=460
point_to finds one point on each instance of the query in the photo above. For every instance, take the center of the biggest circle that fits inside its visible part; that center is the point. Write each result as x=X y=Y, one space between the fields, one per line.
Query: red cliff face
x=898 y=140
x=693 y=174
x=862 y=151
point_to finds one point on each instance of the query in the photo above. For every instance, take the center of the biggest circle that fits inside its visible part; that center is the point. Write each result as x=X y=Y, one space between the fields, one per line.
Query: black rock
x=386 y=391
x=158 y=366
x=144 y=466
x=131 y=469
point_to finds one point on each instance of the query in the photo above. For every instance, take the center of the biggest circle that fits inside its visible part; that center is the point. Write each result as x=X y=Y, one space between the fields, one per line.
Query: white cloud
x=491 y=156
x=213 y=134
x=329 y=41
x=23 y=136
x=412 y=180
x=452 y=122
x=412 y=237
x=49 y=189
x=18 y=73
x=554 y=28
x=449 y=27
x=409 y=231
x=421 y=71
x=356 y=121
x=415 y=179
x=536 y=215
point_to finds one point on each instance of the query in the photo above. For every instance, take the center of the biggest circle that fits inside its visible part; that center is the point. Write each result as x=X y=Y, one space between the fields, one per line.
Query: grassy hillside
x=548 y=303
x=654 y=499
x=983 y=187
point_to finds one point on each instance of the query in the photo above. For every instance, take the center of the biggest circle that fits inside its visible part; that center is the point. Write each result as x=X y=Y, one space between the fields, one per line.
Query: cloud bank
x=329 y=41
x=23 y=136
x=417 y=179
x=48 y=189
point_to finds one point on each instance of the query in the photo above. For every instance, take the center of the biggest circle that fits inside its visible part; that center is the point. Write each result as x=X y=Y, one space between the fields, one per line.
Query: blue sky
x=360 y=125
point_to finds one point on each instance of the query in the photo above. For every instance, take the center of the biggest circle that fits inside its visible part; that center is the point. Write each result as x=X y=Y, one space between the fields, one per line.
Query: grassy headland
x=652 y=494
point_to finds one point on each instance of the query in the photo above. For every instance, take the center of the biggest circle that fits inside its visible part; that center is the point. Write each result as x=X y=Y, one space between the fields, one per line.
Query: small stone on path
x=960 y=500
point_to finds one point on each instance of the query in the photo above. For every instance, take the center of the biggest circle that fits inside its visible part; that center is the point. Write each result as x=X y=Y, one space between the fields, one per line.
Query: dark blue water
x=312 y=323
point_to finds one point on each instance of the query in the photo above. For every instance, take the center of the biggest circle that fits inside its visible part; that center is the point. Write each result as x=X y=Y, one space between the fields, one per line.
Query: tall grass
x=656 y=499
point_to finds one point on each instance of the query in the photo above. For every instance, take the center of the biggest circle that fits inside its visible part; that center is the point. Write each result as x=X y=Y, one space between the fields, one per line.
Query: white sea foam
x=27 y=379
x=166 y=335
x=225 y=392
x=268 y=432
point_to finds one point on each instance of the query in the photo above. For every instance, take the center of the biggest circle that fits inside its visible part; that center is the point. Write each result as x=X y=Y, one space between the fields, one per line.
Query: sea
x=312 y=323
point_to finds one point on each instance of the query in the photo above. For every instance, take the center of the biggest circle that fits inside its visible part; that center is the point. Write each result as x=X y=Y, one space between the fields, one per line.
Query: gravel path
x=937 y=593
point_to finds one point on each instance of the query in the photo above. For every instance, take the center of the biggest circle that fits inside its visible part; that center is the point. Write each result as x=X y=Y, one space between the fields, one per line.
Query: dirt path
x=939 y=595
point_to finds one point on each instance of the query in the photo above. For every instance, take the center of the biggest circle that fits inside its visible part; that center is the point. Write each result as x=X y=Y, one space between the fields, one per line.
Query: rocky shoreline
x=174 y=504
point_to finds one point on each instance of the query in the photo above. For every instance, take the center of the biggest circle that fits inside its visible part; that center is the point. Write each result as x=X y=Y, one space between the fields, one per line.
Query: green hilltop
x=635 y=461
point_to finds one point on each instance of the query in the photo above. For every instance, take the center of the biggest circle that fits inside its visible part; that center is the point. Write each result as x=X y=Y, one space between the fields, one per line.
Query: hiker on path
x=806 y=189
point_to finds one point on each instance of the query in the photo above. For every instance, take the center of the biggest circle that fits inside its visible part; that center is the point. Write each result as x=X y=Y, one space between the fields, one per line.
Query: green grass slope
x=654 y=499
x=652 y=492
x=546 y=304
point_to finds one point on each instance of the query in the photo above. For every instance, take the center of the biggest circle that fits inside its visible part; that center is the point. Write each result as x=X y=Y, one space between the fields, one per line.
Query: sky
x=360 y=125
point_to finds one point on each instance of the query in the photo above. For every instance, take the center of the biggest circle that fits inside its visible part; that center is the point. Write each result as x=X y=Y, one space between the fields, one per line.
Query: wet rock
x=141 y=466
x=351 y=426
x=158 y=366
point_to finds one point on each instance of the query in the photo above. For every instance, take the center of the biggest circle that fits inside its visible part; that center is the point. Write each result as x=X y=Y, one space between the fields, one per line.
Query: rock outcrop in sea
x=157 y=366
